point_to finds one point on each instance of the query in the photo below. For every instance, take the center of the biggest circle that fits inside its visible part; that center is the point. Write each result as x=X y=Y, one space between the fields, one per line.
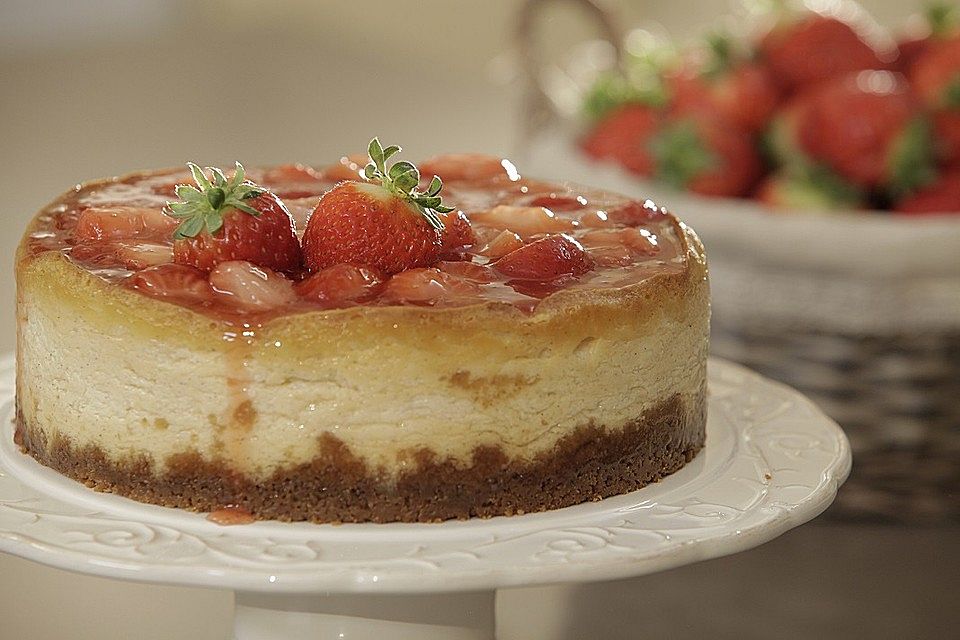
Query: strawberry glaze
x=626 y=241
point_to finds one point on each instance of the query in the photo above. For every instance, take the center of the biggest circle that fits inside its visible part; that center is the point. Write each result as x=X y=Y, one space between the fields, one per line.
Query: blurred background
x=90 y=88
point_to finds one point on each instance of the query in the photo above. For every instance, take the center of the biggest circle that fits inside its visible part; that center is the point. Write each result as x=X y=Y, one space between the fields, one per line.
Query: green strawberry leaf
x=681 y=154
x=402 y=180
x=911 y=164
x=201 y=207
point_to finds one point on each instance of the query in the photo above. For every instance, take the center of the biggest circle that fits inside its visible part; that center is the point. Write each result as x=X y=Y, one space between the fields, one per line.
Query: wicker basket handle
x=537 y=111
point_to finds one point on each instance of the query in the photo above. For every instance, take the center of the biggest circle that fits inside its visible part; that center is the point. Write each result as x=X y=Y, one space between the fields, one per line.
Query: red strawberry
x=813 y=190
x=869 y=128
x=430 y=287
x=232 y=220
x=122 y=222
x=817 y=47
x=385 y=222
x=247 y=286
x=731 y=86
x=173 y=282
x=470 y=166
x=546 y=259
x=292 y=181
x=348 y=168
x=941 y=196
x=457 y=232
x=624 y=136
x=341 y=284
x=936 y=78
x=705 y=155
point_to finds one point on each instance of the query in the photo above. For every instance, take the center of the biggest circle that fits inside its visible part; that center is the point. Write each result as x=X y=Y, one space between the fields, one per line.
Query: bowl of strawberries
x=818 y=157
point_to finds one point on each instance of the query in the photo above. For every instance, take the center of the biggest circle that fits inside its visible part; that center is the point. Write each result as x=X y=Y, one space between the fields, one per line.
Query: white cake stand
x=772 y=461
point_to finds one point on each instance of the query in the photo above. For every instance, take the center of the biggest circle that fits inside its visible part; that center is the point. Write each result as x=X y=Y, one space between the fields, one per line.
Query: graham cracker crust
x=589 y=464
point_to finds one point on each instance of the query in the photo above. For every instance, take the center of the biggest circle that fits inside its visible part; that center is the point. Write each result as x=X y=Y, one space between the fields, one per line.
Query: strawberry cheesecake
x=355 y=343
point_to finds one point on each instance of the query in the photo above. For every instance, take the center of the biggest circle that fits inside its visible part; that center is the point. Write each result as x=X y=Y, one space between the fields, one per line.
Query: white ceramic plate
x=772 y=462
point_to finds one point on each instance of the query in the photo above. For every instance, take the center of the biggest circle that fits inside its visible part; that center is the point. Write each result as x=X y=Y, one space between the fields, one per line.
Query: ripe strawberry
x=619 y=247
x=232 y=220
x=624 y=136
x=526 y=221
x=869 y=128
x=385 y=222
x=122 y=222
x=816 y=189
x=941 y=196
x=501 y=244
x=173 y=282
x=546 y=259
x=815 y=47
x=936 y=78
x=726 y=83
x=457 y=232
x=705 y=155
x=247 y=286
x=340 y=285
x=470 y=167
x=431 y=287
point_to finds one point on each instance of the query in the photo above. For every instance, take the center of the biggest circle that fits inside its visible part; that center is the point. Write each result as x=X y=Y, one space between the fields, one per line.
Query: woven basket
x=860 y=311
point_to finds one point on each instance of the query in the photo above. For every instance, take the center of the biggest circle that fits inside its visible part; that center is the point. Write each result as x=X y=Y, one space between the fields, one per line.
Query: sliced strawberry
x=340 y=285
x=292 y=181
x=816 y=47
x=430 y=287
x=469 y=167
x=705 y=155
x=348 y=168
x=503 y=243
x=173 y=282
x=634 y=212
x=457 y=231
x=546 y=259
x=624 y=136
x=526 y=221
x=386 y=222
x=619 y=247
x=225 y=220
x=556 y=202
x=117 y=223
x=942 y=196
x=247 y=286
x=467 y=270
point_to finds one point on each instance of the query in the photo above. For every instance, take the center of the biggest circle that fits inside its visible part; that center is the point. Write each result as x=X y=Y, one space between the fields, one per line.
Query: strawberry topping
x=385 y=222
x=233 y=219
x=341 y=284
x=546 y=259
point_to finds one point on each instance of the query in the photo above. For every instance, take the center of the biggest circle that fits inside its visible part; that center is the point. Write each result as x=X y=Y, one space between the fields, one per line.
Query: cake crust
x=588 y=464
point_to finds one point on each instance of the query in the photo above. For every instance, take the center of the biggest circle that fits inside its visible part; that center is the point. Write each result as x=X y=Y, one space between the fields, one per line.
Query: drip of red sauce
x=231 y=515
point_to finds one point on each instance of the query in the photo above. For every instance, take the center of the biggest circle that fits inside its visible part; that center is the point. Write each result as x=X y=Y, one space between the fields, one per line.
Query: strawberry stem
x=201 y=207
x=402 y=180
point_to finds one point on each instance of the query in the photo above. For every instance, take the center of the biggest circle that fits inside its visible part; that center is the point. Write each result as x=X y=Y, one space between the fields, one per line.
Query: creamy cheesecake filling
x=262 y=404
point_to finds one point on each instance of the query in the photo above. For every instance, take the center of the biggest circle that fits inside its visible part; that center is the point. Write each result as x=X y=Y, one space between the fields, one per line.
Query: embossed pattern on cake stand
x=772 y=462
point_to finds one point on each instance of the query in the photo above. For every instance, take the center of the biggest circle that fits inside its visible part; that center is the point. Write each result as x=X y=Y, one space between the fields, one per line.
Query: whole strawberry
x=224 y=220
x=813 y=47
x=936 y=78
x=725 y=81
x=385 y=222
x=940 y=196
x=869 y=128
x=706 y=155
x=623 y=136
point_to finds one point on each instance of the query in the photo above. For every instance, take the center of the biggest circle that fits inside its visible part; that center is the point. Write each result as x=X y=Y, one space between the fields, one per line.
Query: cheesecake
x=346 y=343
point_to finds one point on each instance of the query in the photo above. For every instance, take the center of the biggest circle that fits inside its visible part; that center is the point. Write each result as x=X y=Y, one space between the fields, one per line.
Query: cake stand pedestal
x=772 y=462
